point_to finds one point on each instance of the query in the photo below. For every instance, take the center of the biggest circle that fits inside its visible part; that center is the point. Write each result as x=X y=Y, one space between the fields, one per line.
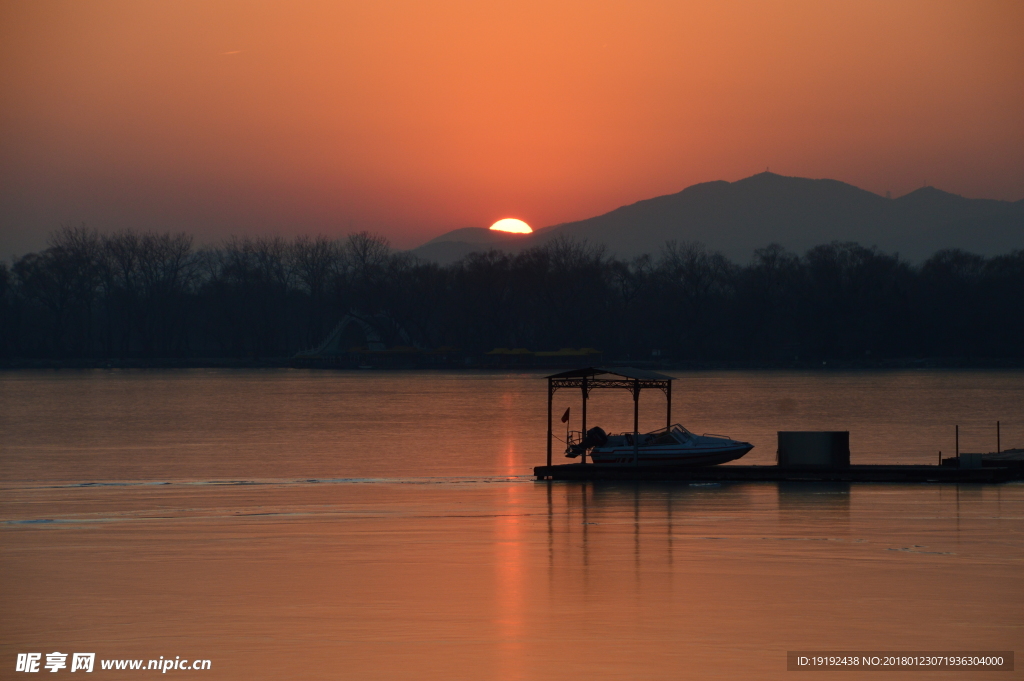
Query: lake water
x=343 y=525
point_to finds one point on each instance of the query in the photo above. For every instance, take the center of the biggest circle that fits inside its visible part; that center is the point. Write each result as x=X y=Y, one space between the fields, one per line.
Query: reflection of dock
x=579 y=471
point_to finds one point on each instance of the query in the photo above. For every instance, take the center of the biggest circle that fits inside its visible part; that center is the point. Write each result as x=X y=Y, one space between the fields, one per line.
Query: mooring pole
x=583 y=434
x=997 y=437
x=958 y=443
x=636 y=422
x=550 y=395
x=668 y=406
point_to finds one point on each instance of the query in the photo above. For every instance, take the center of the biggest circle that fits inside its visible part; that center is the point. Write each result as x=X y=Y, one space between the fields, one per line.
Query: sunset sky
x=413 y=118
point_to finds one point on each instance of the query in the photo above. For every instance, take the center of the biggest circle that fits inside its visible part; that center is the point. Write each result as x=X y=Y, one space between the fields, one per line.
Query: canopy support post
x=551 y=393
x=636 y=422
x=583 y=433
x=668 y=405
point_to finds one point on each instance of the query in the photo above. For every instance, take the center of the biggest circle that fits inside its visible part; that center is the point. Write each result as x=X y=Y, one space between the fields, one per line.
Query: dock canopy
x=624 y=372
x=626 y=378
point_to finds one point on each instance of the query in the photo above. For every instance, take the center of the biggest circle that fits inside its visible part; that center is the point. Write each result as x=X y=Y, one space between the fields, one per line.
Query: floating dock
x=812 y=456
x=729 y=473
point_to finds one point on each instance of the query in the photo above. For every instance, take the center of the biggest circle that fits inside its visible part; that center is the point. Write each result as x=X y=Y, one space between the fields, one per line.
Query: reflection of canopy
x=627 y=378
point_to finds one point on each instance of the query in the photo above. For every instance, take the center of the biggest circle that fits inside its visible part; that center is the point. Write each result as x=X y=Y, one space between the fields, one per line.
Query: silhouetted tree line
x=156 y=295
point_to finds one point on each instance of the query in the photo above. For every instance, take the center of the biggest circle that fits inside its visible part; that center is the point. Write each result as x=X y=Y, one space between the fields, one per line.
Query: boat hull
x=669 y=455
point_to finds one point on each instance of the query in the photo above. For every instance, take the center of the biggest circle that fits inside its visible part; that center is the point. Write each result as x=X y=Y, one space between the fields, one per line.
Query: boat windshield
x=663 y=436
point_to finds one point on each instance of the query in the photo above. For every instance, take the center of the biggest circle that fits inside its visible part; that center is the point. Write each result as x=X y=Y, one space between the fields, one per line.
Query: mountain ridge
x=798 y=213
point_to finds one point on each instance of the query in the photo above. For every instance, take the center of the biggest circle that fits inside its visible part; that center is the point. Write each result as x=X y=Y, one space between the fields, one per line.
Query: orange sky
x=410 y=119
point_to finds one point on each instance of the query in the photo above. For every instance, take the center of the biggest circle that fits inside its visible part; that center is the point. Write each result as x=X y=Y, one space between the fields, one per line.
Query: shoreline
x=386 y=363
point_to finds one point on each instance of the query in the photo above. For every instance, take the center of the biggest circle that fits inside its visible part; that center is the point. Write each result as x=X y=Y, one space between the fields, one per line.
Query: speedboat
x=671 y=446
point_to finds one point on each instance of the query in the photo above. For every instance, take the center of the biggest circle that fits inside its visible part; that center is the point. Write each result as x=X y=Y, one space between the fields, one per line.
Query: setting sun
x=512 y=225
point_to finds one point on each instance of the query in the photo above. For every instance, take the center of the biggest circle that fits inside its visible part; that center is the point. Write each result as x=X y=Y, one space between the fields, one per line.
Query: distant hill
x=799 y=213
x=459 y=243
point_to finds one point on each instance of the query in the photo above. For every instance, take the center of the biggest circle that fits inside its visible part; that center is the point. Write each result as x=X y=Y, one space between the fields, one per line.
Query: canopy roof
x=624 y=372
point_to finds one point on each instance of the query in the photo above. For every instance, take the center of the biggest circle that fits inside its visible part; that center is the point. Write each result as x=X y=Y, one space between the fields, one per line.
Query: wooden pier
x=729 y=473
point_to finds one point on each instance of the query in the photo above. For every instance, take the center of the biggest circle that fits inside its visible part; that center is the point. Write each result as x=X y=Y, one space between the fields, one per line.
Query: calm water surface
x=292 y=524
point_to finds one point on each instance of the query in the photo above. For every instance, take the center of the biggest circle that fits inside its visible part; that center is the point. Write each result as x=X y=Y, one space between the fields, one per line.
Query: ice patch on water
x=915 y=549
x=446 y=480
